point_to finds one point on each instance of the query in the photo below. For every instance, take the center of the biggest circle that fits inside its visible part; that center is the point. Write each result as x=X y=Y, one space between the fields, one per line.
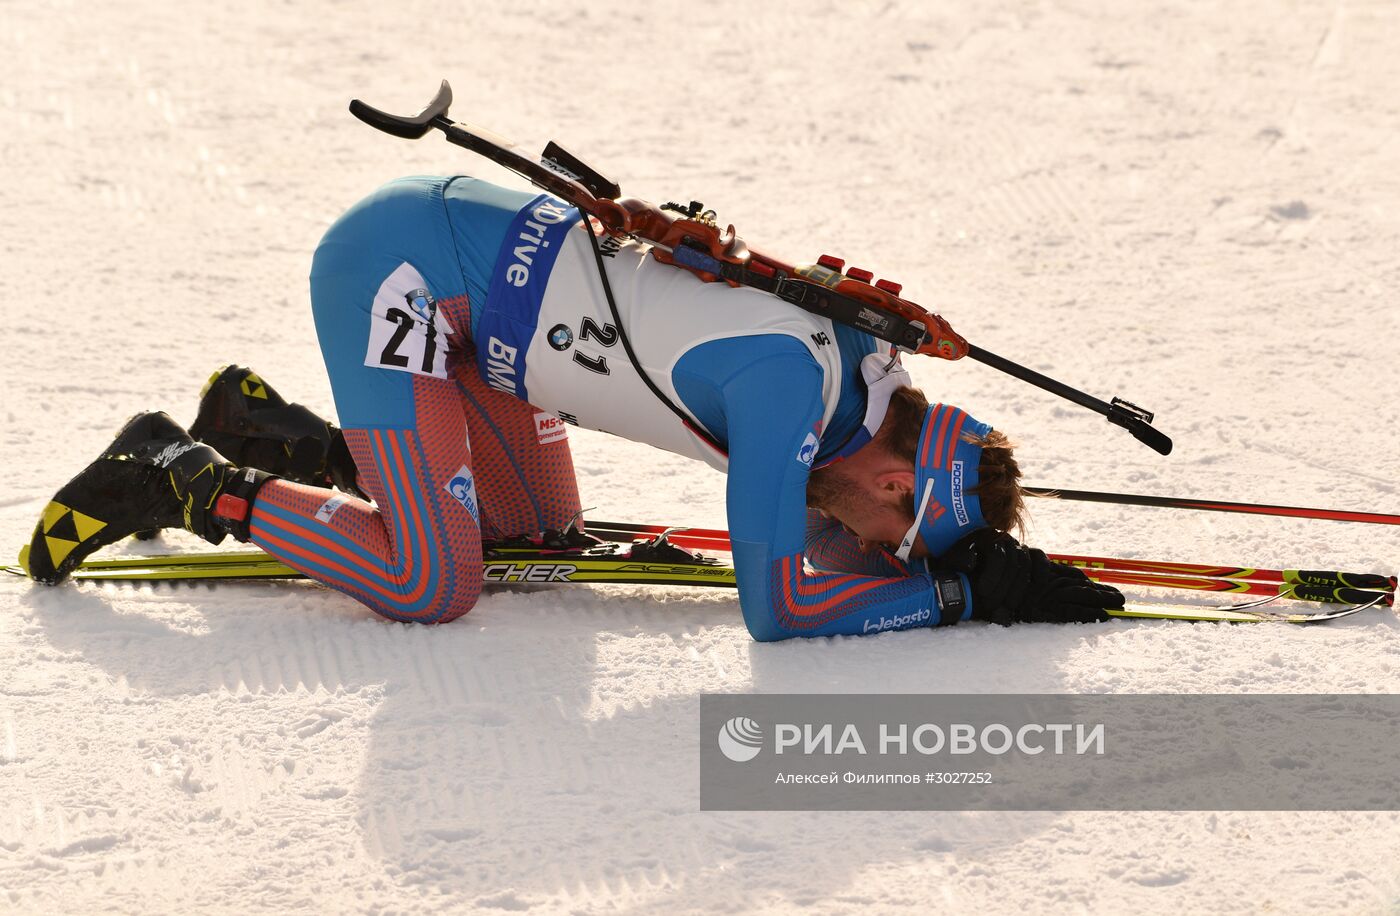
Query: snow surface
x=1196 y=206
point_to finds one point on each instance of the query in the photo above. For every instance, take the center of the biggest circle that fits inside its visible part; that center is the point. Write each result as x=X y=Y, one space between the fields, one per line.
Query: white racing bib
x=407 y=333
x=566 y=355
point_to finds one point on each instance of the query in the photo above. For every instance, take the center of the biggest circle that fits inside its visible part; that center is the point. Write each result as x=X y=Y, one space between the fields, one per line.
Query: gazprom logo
x=959 y=508
x=740 y=739
x=462 y=487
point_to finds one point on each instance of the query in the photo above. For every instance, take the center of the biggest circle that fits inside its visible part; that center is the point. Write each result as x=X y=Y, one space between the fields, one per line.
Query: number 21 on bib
x=406 y=331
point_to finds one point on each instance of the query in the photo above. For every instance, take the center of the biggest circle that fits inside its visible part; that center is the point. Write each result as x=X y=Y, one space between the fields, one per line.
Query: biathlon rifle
x=689 y=237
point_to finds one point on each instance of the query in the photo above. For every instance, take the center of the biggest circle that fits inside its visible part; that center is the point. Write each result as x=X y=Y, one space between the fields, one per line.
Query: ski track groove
x=310 y=674
x=251 y=674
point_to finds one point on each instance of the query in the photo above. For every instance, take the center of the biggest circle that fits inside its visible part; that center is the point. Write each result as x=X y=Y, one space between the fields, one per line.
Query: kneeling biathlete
x=463 y=325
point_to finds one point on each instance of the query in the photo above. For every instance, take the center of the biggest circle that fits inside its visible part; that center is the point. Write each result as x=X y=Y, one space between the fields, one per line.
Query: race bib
x=406 y=331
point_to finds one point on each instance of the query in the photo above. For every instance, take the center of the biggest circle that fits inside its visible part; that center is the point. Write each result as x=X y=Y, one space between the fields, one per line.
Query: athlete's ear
x=896 y=482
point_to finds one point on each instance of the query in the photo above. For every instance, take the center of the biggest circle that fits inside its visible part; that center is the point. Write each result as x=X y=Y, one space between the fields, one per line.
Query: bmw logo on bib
x=422 y=303
x=560 y=337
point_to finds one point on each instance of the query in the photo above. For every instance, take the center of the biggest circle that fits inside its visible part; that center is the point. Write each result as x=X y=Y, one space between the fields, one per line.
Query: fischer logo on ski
x=528 y=572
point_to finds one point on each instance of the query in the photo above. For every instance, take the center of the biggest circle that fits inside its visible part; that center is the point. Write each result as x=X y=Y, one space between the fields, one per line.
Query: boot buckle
x=231 y=508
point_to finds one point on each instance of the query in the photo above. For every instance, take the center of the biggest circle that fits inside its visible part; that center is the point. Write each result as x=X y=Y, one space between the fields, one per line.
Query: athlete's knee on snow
x=445 y=603
x=432 y=586
x=449 y=607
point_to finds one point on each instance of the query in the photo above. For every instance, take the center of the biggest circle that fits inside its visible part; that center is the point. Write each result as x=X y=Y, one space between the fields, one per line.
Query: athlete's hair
x=998 y=476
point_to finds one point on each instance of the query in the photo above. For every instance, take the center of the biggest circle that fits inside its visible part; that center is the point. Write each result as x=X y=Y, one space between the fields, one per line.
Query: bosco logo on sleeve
x=549 y=428
x=330 y=507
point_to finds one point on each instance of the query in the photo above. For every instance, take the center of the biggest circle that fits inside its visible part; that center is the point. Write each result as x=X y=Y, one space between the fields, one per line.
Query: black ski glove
x=1012 y=583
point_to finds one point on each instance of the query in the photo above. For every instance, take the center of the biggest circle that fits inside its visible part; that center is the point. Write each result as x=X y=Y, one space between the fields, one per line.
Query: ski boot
x=249 y=423
x=153 y=475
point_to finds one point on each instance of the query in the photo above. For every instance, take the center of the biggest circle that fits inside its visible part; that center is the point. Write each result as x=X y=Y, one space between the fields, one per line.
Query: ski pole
x=1215 y=505
x=718 y=539
x=1302 y=592
x=1123 y=499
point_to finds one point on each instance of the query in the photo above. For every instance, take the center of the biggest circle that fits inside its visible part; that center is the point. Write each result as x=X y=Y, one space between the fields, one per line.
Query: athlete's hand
x=1012 y=583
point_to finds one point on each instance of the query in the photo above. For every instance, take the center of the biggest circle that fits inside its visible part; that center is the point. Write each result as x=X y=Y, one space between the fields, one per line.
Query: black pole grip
x=410 y=128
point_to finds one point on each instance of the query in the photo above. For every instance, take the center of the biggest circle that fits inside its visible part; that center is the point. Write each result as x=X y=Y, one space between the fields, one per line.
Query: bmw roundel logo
x=422 y=303
x=560 y=337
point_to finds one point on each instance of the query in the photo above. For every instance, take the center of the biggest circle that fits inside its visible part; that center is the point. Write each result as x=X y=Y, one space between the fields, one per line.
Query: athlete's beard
x=832 y=489
x=836 y=491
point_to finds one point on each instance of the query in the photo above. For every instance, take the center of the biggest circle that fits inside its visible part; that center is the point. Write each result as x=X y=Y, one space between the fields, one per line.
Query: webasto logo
x=741 y=739
x=899 y=622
